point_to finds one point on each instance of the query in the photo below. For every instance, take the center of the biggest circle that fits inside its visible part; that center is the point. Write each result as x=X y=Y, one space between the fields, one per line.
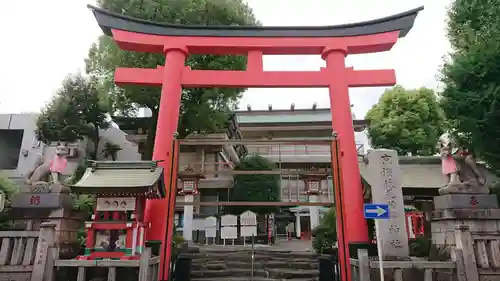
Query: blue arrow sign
x=377 y=211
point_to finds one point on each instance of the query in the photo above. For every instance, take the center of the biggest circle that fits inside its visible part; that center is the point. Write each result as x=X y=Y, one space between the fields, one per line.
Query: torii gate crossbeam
x=333 y=43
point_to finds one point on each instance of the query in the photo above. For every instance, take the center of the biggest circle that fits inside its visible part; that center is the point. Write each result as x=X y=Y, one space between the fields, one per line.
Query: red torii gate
x=333 y=43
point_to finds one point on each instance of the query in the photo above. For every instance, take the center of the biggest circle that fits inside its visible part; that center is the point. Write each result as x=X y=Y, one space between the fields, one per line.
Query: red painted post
x=340 y=107
x=168 y=117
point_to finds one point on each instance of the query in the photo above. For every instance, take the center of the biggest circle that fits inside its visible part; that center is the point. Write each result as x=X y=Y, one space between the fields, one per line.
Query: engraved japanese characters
x=385 y=176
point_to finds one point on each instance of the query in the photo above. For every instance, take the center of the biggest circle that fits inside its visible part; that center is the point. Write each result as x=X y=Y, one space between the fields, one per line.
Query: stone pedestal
x=187 y=223
x=479 y=211
x=32 y=209
x=313 y=212
x=297 y=225
x=469 y=223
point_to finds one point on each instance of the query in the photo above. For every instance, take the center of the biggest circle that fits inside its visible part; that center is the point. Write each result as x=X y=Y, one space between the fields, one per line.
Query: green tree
x=8 y=188
x=471 y=95
x=325 y=234
x=75 y=112
x=202 y=110
x=255 y=188
x=408 y=121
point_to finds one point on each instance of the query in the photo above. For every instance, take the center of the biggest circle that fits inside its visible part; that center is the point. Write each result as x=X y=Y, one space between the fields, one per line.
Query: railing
x=17 y=251
x=288 y=150
x=487 y=253
x=363 y=268
x=295 y=150
x=208 y=167
x=148 y=266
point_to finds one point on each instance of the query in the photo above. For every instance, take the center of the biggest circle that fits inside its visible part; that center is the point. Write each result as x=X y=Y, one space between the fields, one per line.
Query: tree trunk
x=95 y=140
x=150 y=139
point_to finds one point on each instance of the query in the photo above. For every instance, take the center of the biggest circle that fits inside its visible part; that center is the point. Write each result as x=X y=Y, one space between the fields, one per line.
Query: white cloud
x=43 y=41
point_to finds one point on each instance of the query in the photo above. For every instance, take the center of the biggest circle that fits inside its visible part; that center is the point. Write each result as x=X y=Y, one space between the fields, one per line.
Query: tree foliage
x=255 y=188
x=8 y=188
x=408 y=121
x=471 y=95
x=202 y=110
x=325 y=234
x=75 y=112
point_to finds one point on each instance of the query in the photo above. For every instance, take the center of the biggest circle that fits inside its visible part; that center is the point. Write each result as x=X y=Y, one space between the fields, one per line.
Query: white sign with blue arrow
x=377 y=211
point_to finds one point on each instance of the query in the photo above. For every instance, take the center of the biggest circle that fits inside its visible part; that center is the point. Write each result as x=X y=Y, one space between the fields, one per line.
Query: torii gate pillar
x=340 y=107
x=332 y=42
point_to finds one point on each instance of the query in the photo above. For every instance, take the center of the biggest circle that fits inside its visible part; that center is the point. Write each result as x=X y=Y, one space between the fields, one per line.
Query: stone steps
x=246 y=279
x=268 y=273
x=222 y=265
x=268 y=265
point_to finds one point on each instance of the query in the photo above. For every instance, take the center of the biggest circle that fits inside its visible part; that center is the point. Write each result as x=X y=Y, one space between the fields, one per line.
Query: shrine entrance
x=205 y=188
x=333 y=43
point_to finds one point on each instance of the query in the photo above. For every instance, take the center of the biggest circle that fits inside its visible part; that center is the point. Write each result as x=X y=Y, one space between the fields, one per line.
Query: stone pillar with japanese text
x=385 y=179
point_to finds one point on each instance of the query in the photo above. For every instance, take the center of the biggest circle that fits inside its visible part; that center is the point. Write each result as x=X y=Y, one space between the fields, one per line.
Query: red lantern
x=312 y=180
x=190 y=182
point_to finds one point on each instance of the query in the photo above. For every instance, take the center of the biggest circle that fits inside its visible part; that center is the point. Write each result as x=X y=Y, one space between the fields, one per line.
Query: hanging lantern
x=312 y=180
x=190 y=181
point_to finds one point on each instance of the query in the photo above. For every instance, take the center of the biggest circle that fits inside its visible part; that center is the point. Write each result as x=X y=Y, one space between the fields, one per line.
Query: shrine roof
x=122 y=177
x=414 y=175
x=420 y=172
x=402 y=22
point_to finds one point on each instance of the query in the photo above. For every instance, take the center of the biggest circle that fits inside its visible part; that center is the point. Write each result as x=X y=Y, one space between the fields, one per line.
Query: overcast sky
x=43 y=41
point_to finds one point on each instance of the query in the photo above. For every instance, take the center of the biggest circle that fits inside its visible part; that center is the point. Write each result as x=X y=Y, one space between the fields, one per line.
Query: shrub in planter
x=420 y=246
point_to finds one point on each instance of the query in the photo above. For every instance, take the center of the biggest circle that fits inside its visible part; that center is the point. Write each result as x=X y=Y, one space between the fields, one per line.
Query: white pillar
x=313 y=212
x=187 y=223
x=297 y=224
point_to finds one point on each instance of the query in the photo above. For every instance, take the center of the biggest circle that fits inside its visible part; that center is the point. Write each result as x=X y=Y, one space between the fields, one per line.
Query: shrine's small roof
x=402 y=22
x=122 y=177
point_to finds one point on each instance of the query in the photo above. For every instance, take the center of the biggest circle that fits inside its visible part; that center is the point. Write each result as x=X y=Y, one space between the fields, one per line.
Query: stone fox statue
x=45 y=175
x=459 y=165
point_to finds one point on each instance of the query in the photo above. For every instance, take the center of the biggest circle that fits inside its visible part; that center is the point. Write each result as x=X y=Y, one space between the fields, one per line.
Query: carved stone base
x=476 y=201
x=464 y=188
x=480 y=215
x=479 y=211
x=38 y=200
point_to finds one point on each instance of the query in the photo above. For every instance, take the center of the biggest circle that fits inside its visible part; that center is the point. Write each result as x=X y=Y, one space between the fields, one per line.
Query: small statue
x=460 y=167
x=448 y=163
x=59 y=162
x=39 y=174
x=46 y=175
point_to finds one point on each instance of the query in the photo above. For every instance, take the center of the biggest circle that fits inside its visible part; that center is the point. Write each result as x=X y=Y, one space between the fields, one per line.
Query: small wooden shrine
x=117 y=229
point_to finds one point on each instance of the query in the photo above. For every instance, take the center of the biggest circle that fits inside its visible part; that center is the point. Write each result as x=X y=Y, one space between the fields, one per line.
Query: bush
x=8 y=188
x=325 y=234
x=420 y=247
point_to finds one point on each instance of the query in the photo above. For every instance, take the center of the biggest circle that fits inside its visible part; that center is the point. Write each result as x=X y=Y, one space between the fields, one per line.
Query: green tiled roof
x=134 y=177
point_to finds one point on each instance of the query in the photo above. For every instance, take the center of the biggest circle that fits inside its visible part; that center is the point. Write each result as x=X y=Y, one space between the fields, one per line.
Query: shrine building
x=421 y=175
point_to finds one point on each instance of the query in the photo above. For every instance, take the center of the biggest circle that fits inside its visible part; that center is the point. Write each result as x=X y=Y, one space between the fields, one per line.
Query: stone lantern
x=189 y=183
x=312 y=180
